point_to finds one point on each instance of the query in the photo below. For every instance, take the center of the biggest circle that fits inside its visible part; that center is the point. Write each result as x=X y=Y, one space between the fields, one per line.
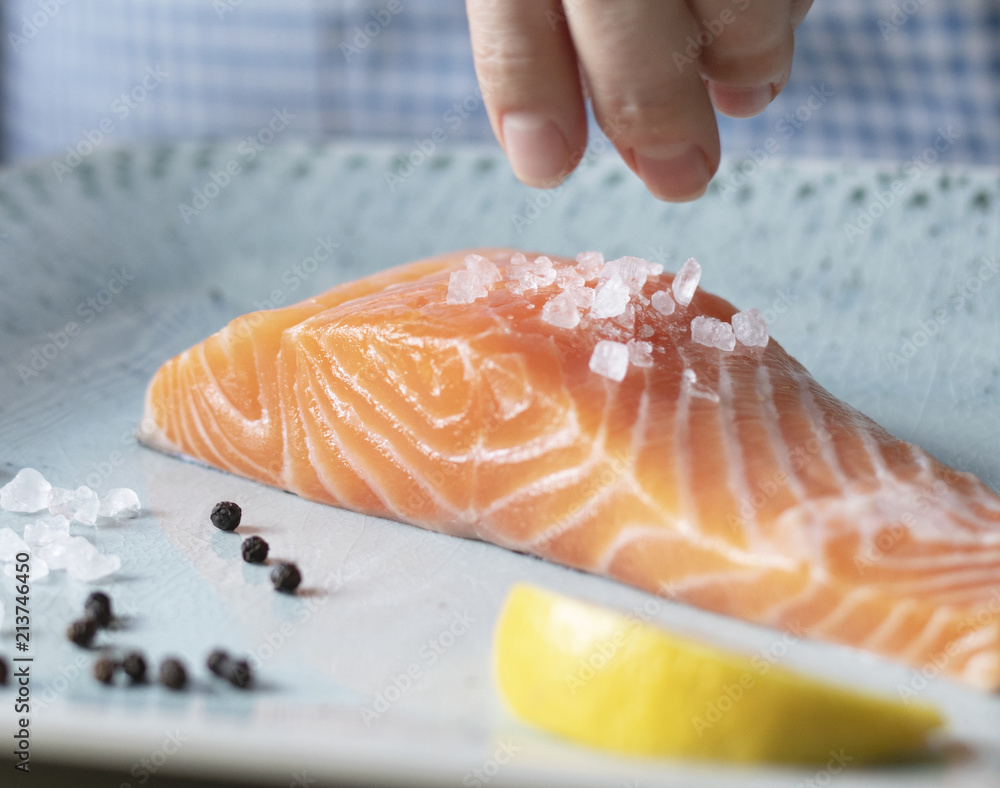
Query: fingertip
x=536 y=148
x=741 y=102
x=675 y=173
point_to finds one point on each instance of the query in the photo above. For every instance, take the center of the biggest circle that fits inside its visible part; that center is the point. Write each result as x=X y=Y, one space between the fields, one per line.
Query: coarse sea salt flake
x=485 y=270
x=80 y=504
x=37 y=569
x=561 y=311
x=567 y=278
x=750 y=328
x=627 y=318
x=610 y=298
x=49 y=528
x=640 y=354
x=11 y=544
x=610 y=359
x=464 y=287
x=633 y=271
x=538 y=273
x=686 y=281
x=663 y=302
x=92 y=566
x=119 y=502
x=28 y=491
x=645 y=331
x=589 y=264
x=713 y=333
x=80 y=559
x=583 y=297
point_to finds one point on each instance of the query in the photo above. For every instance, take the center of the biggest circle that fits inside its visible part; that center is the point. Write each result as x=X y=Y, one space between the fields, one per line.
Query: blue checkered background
x=872 y=78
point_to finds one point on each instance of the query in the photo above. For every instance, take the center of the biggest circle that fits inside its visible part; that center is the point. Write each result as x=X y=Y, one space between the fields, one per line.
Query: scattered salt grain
x=530 y=276
x=610 y=298
x=713 y=333
x=80 y=559
x=610 y=359
x=464 y=287
x=11 y=544
x=640 y=354
x=686 y=282
x=28 y=491
x=627 y=318
x=91 y=565
x=37 y=569
x=46 y=529
x=55 y=552
x=75 y=554
x=485 y=270
x=663 y=303
x=750 y=328
x=583 y=297
x=632 y=270
x=121 y=502
x=589 y=264
x=561 y=311
x=646 y=331
x=690 y=376
x=80 y=504
x=567 y=278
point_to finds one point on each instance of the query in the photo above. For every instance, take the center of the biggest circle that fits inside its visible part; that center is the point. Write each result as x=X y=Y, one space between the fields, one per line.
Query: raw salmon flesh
x=445 y=394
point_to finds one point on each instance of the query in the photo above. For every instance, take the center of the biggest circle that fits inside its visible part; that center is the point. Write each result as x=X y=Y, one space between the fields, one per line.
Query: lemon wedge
x=614 y=682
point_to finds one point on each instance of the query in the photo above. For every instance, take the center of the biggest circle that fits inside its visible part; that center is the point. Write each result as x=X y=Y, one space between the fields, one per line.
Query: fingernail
x=673 y=172
x=536 y=148
x=741 y=102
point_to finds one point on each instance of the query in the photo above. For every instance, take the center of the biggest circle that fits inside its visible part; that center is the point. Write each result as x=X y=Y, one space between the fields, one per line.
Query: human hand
x=653 y=69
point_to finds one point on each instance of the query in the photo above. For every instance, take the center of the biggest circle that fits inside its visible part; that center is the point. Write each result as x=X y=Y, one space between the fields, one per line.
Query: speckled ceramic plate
x=883 y=282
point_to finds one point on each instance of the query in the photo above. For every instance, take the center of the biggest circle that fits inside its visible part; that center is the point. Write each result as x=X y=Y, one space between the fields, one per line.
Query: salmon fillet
x=727 y=479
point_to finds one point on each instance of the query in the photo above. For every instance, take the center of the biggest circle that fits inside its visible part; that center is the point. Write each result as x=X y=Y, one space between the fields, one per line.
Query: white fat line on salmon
x=796 y=459
x=977 y=628
x=888 y=537
x=732 y=693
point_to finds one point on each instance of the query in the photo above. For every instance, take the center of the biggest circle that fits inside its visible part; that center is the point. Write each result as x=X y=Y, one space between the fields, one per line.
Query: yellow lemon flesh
x=611 y=681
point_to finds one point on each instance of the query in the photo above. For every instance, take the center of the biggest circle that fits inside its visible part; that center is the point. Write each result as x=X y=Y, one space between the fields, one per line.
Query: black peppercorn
x=226 y=516
x=172 y=674
x=104 y=670
x=218 y=662
x=98 y=607
x=4 y=670
x=134 y=665
x=239 y=673
x=82 y=631
x=254 y=550
x=286 y=577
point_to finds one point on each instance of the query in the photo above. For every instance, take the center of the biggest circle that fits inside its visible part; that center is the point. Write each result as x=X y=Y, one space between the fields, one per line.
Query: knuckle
x=630 y=121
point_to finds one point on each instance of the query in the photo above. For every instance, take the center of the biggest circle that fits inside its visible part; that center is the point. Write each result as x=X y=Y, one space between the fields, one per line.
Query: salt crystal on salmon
x=610 y=359
x=750 y=328
x=712 y=332
x=685 y=284
x=610 y=298
x=730 y=480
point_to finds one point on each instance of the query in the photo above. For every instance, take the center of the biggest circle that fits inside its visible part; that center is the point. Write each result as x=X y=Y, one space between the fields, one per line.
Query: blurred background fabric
x=871 y=78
